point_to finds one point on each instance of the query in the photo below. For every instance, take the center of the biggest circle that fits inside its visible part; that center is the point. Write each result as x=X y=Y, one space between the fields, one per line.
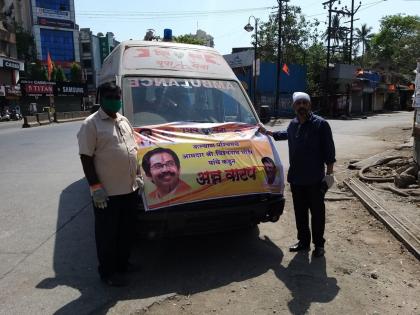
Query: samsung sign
x=11 y=65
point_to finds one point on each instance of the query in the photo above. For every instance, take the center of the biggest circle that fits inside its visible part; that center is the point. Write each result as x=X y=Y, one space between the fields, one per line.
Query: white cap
x=297 y=96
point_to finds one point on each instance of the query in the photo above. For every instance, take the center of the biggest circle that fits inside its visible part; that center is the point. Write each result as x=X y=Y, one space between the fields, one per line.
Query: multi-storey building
x=9 y=64
x=55 y=31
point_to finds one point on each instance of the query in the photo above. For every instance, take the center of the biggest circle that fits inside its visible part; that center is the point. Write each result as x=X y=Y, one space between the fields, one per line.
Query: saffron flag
x=49 y=66
x=286 y=69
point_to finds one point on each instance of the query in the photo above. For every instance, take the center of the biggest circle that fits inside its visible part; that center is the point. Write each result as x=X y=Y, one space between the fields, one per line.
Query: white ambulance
x=205 y=165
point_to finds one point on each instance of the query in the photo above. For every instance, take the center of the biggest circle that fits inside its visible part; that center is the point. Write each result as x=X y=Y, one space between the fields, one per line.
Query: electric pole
x=279 y=17
x=342 y=44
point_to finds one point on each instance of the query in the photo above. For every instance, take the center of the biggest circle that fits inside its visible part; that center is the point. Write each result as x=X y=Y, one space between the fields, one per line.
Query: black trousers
x=311 y=198
x=114 y=227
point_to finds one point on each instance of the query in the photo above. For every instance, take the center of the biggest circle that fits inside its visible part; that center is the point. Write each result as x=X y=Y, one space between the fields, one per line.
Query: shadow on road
x=182 y=265
x=308 y=282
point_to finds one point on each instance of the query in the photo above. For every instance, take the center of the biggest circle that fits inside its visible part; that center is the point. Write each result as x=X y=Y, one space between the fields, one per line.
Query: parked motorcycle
x=15 y=115
x=5 y=116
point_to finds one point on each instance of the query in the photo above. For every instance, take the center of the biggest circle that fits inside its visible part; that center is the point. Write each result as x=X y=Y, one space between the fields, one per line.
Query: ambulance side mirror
x=265 y=114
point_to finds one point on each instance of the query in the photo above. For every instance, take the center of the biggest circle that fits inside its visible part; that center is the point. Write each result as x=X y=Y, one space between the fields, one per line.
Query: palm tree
x=363 y=36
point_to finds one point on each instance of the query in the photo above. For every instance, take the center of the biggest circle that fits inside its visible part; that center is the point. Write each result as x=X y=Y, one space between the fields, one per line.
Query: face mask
x=302 y=111
x=111 y=105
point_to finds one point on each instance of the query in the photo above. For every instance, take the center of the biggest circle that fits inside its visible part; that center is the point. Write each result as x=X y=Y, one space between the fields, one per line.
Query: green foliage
x=58 y=75
x=189 y=39
x=395 y=47
x=75 y=73
x=301 y=44
x=36 y=71
x=315 y=68
x=297 y=35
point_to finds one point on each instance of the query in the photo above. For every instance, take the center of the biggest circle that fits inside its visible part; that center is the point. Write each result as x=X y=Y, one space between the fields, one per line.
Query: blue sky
x=224 y=20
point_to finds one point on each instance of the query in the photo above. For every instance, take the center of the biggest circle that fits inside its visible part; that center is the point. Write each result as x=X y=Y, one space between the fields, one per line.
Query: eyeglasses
x=160 y=166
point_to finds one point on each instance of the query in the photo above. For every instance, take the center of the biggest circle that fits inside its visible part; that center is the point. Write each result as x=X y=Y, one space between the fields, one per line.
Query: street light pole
x=280 y=2
x=249 y=28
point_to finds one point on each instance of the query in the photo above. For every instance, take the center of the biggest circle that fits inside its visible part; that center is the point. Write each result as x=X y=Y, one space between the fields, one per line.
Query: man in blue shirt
x=311 y=148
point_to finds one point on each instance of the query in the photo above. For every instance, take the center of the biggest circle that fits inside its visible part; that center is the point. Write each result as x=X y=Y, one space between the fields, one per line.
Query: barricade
x=30 y=121
x=60 y=117
x=43 y=118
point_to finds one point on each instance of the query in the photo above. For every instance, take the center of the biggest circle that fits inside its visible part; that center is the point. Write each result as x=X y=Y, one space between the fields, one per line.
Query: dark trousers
x=114 y=227
x=311 y=198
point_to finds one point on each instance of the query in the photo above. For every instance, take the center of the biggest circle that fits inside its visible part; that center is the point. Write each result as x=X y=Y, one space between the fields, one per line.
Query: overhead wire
x=166 y=15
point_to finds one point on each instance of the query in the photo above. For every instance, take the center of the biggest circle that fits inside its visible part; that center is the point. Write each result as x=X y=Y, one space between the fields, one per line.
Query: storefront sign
x=55 y=23
x=70 y=89
x=37 y=88
x=53 y=14
x=13 y=91
x=11 y=64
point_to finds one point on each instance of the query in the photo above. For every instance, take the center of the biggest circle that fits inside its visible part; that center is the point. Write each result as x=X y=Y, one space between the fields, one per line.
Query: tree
x=395 y=46
x=36 y=71
x=189 y=39
x=59 y=74
x=76 y=73
x=363 y=36
x=301 y=44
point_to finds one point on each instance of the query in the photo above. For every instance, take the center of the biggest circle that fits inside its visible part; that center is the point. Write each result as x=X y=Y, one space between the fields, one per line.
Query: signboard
x=103 y=47
x=416 y=95
x=53 y=14
x=70 y=89
x=55 y=23
x=2 y=90
x=188 y=162
x=175 y=59
x=13 y=91
x=240 y=59
x=37 y=88
x=11 y=64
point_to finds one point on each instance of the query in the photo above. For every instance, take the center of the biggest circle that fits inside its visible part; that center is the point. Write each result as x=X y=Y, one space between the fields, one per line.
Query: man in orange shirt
x=162 y=166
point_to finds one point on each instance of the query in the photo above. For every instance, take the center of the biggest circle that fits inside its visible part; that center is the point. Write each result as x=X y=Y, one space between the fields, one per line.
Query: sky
x=224 y=20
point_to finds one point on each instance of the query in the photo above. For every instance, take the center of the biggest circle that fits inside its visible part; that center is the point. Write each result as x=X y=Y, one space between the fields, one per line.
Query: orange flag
x=49 y=66
x=286 y=69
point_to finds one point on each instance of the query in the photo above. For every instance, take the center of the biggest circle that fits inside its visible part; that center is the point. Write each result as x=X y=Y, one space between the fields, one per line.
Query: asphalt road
x=47 y=252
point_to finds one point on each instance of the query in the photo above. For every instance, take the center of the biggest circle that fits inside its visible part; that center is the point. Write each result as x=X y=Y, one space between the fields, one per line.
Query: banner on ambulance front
x=191 y=162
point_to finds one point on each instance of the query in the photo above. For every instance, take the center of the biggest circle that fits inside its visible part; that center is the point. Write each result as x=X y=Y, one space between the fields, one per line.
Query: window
x=86 y=48
x=89 y=79
x=59 y=5
x=87 y=63
x=163 y=100
x=59 y=44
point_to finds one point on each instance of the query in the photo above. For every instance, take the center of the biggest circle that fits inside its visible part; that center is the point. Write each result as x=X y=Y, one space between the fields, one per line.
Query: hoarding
x=189 y=162
x=53 y=14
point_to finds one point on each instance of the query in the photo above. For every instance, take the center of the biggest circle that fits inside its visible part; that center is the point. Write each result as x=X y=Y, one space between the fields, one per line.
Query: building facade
x=55 y=31
x=9 y=64
x=107 y=43
x=90 y=55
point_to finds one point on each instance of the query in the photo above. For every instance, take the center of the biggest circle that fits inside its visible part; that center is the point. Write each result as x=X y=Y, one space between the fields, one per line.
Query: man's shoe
x=298 y=247
x=115 y=280
x=319 y=252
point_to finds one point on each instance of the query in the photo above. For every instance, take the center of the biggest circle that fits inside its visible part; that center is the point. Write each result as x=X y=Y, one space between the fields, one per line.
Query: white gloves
x=329 y=180
x=99 y=196
x=140 y=183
